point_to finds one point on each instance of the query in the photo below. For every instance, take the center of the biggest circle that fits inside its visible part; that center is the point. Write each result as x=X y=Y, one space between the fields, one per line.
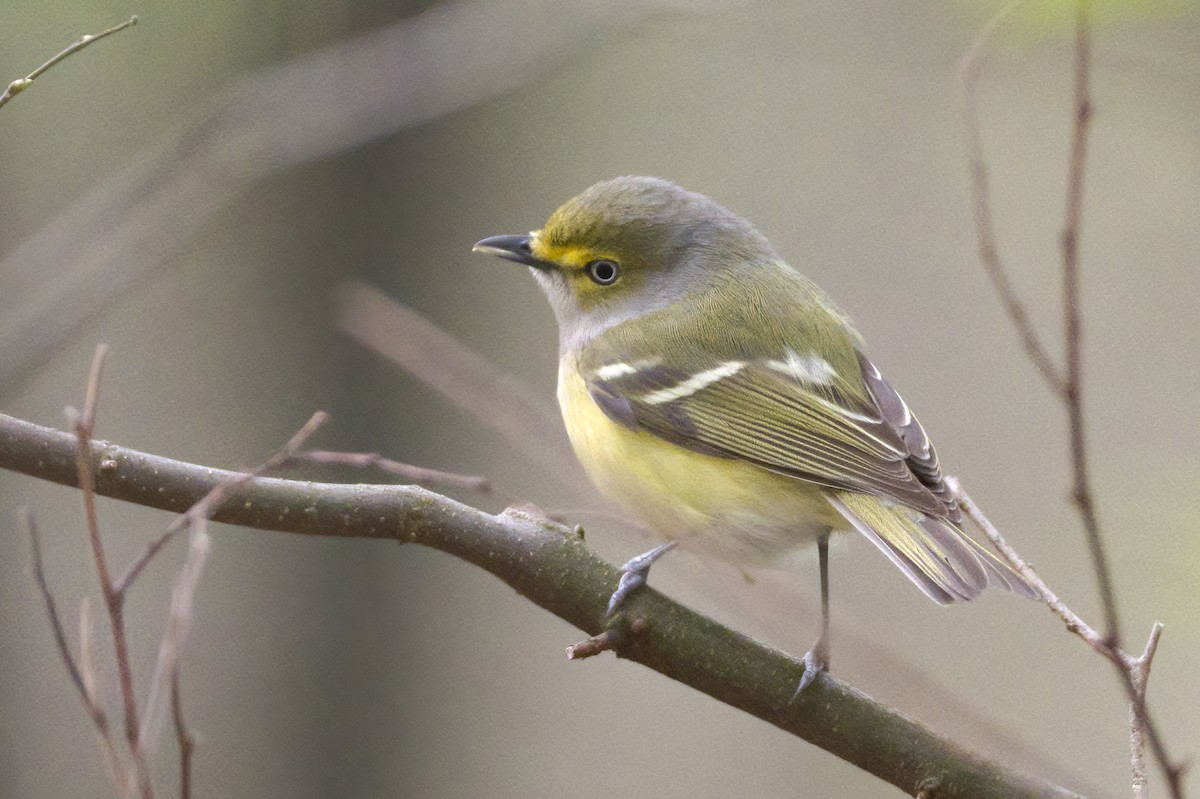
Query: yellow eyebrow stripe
x=568 y=255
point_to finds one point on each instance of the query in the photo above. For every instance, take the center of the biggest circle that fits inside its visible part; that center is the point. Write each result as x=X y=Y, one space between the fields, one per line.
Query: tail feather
x=939 y=558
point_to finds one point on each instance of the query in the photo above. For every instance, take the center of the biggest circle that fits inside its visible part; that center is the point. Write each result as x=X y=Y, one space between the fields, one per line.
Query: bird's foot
x=634 y=574
x=816 y=660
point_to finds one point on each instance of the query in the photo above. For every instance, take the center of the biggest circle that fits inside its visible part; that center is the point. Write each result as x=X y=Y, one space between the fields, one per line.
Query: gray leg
x=634 y=574
x=817 y=658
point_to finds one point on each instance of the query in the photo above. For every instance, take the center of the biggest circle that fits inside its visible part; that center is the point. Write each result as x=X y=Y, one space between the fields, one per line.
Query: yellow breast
x=727 y=507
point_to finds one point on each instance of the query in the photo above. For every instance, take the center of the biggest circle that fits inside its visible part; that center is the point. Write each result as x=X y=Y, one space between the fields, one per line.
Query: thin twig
x=178 y=625
x=523 y=417
x=1074 y=622
x=117 y=771
x=82 y=674
x=1067 y=386
x=25 y=518
x=84 y=680
x=205 y=506
x=165 y=684
x=1131 y=670
x=165 y=690
x=1126 y=664
x=1137 y=722
x=989 y=251
x=1073 y=324
x=21 y=84
x=169 y=662
x=187 y=741
x=84 y=424
x=87 y=656
x=417 y=474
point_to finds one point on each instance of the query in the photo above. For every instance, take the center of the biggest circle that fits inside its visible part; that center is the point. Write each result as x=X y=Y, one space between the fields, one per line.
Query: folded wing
x=799 y=416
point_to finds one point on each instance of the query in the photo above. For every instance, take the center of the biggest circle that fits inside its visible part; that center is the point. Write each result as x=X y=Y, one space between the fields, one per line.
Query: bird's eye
x=603 y=271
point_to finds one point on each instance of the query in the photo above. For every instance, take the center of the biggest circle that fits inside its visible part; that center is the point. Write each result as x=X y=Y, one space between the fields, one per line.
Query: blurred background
x=195 y=190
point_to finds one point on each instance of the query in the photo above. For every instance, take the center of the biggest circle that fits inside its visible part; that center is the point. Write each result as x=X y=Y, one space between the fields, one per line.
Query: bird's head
x=629 y=246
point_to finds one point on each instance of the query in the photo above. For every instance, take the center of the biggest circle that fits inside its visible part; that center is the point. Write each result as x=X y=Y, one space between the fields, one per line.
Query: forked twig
x=141 y=732
x=165 y=689
x=204 y=508
x=83 y=423
x=1067 y=385
x=1134 y=670
x=82 y=674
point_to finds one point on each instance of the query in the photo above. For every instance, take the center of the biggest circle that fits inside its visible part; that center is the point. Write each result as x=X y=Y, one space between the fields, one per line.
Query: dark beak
x=511 y=248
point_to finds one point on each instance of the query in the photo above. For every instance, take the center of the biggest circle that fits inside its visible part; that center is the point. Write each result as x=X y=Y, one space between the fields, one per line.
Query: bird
x=722 y=398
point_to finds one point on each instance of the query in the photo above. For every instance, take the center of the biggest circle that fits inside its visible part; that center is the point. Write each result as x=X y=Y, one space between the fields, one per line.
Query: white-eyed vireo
x=723 y=398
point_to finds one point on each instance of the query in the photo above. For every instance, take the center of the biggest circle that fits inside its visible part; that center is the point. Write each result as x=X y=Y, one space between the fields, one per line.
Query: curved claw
x=634 y=574
x=816 y=660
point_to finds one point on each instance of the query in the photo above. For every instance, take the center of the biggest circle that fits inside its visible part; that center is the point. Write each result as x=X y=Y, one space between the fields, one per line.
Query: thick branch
x=550 y=565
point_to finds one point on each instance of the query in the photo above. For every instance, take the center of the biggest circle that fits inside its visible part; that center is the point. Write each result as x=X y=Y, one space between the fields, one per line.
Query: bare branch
x=83 y=424
x=1068 y=387
x=417 y=474
x=989 y=251
x=83 y=675
x=117 y=770
x=606 y=641
x=552 y=567
x=1073 y=323
x=1140 y=674
x=1126 y=665
x=164 y=687
x=21 y=84
x=25 y=518
x=1142 y=727
x=459 y=374
x=187 y=741
x=166 y=673
x=203 y=507
x=87 y=655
